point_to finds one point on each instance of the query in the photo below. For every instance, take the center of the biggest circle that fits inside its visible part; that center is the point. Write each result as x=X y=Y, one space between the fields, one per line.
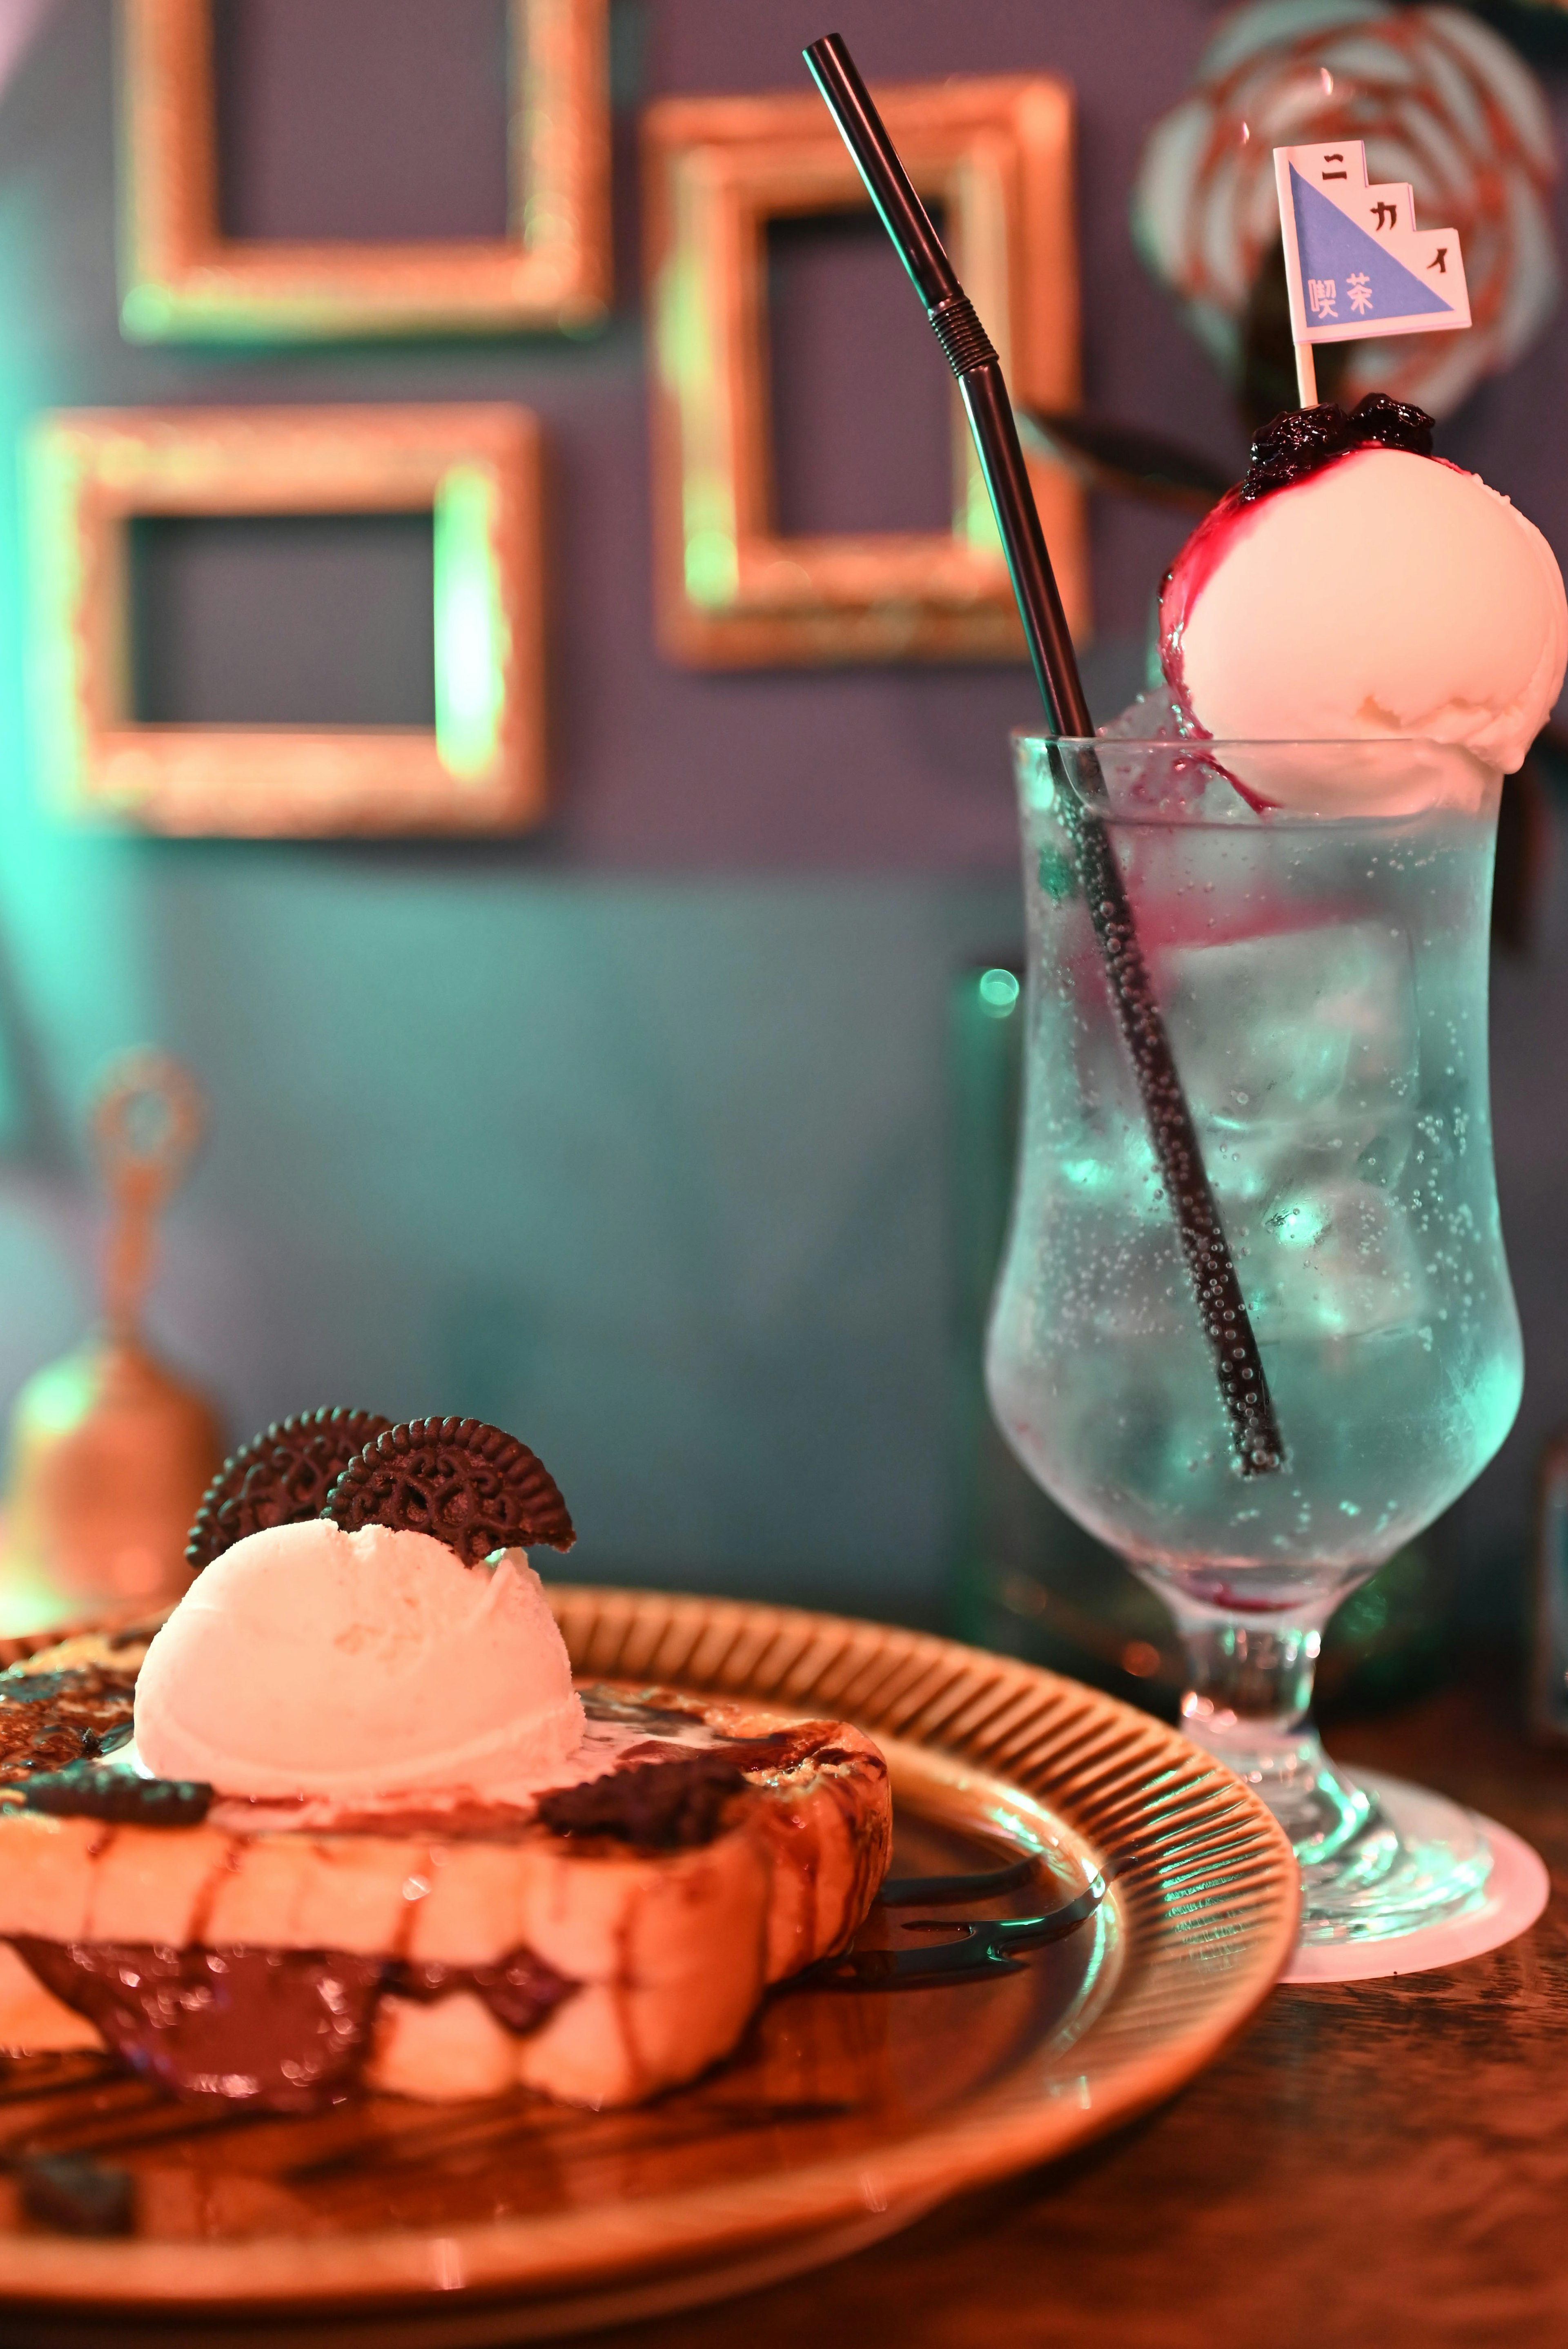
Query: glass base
x=1517 y=1890
x=1377 y=1861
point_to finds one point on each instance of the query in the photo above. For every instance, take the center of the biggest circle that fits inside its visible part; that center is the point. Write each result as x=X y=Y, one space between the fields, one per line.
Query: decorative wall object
x=476 y=469
x=1441 y=101
x=109 y=1450
x=184 y=279
x=731 y=590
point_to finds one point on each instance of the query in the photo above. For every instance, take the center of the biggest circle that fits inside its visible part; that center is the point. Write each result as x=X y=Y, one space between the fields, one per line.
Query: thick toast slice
x=612 y=1943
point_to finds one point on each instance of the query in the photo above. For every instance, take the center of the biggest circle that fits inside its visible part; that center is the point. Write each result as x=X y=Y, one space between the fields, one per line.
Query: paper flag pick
x=1356 y=262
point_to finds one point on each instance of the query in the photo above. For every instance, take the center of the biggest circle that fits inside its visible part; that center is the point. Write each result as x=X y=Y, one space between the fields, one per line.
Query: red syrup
x=1295 y=445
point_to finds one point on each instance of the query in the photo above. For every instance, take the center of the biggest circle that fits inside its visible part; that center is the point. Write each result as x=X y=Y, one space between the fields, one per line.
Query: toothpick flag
x=1356 y=264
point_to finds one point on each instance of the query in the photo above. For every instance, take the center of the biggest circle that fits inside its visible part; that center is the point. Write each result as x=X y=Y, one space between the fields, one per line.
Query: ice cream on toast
x=368 y=1831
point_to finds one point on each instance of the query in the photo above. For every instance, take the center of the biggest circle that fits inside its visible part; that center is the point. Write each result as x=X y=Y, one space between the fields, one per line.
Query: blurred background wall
x=633 y=1135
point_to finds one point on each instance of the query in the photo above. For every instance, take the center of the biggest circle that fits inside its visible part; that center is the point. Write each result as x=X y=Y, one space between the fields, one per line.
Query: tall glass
x=1323 y=983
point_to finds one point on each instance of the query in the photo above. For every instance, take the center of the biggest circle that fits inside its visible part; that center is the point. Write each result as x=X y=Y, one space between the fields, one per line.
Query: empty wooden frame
x=729 y=589
x=475 y=469
x=181 y=279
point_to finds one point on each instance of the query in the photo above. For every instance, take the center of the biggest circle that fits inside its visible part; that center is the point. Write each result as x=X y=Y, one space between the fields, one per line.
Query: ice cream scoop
x=359 y=1666
x=1384 y=593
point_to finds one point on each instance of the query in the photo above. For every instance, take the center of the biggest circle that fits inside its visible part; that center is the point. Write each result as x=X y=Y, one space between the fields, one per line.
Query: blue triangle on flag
x=1333 y=249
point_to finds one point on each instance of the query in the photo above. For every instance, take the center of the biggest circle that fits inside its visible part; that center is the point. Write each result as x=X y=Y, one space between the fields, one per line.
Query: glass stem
x=1248 y=1702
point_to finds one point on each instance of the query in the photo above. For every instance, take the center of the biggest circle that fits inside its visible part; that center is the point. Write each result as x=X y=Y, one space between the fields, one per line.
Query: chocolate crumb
x=73 y=1687
x=76 y=2195
x=659 y=1806
x=49 y=1720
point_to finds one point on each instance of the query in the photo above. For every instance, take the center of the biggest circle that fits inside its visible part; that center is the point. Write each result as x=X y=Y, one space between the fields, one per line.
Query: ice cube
x=1303 y=1027
x=1154 y=717
x=1331 y=1259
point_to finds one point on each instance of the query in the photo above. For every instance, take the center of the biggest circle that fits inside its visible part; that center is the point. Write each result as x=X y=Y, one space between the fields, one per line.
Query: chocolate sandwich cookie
x=84 y=1790
x=279 y=1479
x=472 y=1486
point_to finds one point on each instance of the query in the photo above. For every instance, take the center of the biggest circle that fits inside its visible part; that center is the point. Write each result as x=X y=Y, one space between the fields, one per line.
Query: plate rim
x=1009 y=1719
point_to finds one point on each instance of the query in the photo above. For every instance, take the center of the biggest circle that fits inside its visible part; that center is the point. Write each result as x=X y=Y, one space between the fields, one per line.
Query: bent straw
x=1243 y=1389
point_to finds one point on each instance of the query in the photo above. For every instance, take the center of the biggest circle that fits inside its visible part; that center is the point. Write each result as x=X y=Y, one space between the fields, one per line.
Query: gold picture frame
x=729 y=590
x=181 y=279
x=475 y=469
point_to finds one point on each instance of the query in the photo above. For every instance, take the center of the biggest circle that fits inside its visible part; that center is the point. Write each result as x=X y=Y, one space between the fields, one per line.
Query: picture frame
x=90 y=473
x=729 y=589
x=183 y=279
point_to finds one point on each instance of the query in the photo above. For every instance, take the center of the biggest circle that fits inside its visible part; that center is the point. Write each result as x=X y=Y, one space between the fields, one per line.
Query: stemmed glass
x=1323 y=981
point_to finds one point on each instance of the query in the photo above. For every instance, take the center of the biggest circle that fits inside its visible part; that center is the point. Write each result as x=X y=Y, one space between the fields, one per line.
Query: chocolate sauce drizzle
x=519 y=1990
x=280 y=2031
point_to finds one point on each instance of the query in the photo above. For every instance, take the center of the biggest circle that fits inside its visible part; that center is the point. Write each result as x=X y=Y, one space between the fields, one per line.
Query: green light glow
x=686 y=345
x=712 y=569
x=977 y=524
x=73 y=906
x=49 y=482
x=998 y=993
x=1088 y=1174
x=147 y=313
x=472 y=640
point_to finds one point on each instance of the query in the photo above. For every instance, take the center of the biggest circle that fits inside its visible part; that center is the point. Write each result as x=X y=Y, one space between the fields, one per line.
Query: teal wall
x=652 y=1171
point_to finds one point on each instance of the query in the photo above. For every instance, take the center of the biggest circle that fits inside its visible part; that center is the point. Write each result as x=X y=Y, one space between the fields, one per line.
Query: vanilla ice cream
x=1385 y=594
x=357 y=1667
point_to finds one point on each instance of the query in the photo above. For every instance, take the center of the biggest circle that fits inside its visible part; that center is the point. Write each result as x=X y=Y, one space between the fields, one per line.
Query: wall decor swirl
x=1441 y=100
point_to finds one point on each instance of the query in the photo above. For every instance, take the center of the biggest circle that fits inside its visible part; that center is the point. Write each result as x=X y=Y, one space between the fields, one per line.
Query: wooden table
x=1372 y=2165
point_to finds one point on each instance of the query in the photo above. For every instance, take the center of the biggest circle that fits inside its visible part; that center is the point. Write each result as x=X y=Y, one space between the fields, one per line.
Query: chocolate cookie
x=279 y=1479
x=83 y=1790
x=471 y=1486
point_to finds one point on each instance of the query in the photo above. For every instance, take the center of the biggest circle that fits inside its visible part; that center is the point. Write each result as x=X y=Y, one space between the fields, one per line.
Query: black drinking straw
x=1255 y=1431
